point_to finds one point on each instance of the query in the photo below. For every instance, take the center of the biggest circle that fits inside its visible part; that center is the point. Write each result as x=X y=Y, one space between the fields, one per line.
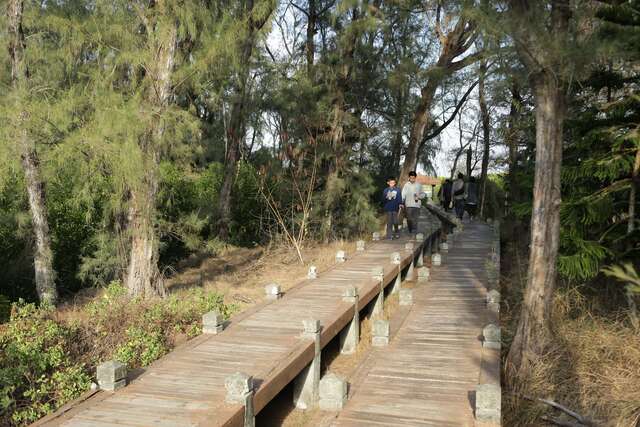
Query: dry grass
x=593 y=367
x=241 y=274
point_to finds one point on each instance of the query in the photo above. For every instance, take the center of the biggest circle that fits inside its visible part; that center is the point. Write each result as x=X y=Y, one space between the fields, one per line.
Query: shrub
x=48 y=359
x=37 y=372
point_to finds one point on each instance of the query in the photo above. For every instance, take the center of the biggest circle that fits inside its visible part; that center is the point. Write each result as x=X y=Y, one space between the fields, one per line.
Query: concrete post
x=406 y=297
x=333 y=393
x=380 y=333
x=375 y=237
x=395 y=259
x=239 y=388
x=436 y=260
x=111 y=375
x=313 y=272
x=307 y=384
x=423 y=274
x=409 y=248
x=420 y=240
x=350 y=335
x=491 y=334
x=360 y=245
x=273 y=291
x=341 y=256
x=493 y=301
x=378 y=306
x=488 y=403
x=212 y=323
x=397 y=283
x=410 y=270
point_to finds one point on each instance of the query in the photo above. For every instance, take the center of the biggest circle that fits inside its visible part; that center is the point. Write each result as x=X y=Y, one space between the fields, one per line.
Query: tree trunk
x=469 y=159
x=512 y=143
x=236 y=128
x=421 y=119
x=397 y=143
x=486 y=133
x=533 y=332
x=310 y=47
x=43 y=256
x=235 y=136
x=143 y=277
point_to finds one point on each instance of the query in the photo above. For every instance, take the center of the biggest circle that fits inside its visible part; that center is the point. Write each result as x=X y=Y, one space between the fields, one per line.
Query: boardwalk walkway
x=428 y=374
x=187 y=387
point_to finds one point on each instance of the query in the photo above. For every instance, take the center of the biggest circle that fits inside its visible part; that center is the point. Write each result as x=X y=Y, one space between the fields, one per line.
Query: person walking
x=392 y=200
x=444 y=195
x=412 y=196
x=471 y=202
x=457 y=193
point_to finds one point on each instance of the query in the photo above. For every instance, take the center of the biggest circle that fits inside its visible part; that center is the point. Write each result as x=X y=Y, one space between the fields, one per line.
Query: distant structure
x=428 y=184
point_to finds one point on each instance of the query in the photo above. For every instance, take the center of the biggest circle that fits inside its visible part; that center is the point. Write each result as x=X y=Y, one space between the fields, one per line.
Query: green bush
x=46 y=361
x=38 y=373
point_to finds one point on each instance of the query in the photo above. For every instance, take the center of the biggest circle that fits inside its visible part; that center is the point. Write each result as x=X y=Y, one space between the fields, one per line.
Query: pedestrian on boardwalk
x=471 y=202
x=412 y=196
x=457 y=192
x=392 y=199
x=444 y=194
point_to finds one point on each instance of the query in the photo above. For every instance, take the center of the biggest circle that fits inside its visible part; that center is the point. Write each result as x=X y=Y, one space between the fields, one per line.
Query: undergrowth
x=593 y=366
x=48 y=357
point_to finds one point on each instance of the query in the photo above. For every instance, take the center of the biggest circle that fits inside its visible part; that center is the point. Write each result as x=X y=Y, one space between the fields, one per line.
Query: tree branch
x=446 y=123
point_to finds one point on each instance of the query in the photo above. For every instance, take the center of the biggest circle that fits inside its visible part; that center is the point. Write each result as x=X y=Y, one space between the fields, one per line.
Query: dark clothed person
x=471 y=202
x=457 y=192
x=444 y=195
x=392 y=199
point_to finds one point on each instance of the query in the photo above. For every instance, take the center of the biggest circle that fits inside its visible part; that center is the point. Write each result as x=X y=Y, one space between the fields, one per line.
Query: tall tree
x=541 y=34
x=453 y=43
x=43 y=256
x=486 y=130
x=143 y=277
x=254 y=15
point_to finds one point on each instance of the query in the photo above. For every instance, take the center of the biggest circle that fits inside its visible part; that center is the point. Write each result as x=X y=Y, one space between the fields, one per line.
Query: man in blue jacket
x=392 y=199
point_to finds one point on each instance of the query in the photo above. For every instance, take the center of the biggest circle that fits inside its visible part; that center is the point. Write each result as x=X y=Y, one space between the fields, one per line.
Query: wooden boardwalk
x=428 y=374
x=186 y=387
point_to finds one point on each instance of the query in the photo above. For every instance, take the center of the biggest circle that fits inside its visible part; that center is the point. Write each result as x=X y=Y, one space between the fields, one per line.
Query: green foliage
x=38 y=372
x=46 y=361
x=626 y=273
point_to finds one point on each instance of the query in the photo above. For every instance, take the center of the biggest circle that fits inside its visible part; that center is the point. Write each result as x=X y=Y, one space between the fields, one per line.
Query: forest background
x=137 y=133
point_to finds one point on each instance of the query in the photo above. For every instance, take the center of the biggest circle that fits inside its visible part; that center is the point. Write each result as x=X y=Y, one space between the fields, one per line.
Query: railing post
x=111 y=375
x=380 y=333
x=239 y=388
x=307 y=383
x=420 y=240
x=406 y=297
x=273 y=291
x=409 y=248
x=350 y=335
x=333 y=393
x=396 y=259
x=378 y=306
x=212 y=323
